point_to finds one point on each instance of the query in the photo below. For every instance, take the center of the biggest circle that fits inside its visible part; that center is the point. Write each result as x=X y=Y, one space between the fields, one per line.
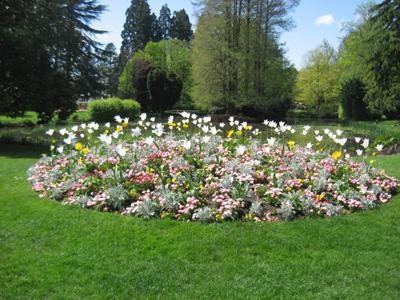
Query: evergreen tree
x=50 y=55
x=181 y=28
x=164 y=21
x=155 y=29
x=137 y=30
x=108 y=67
x=383 y=59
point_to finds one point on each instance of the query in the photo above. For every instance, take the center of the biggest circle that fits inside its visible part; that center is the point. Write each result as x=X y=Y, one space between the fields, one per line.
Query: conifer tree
x=164 y=21
x=181 y=28
x=138 y=30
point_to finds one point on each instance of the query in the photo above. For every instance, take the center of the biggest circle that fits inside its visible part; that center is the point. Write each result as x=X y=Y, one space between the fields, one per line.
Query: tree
x=164 y=89
x=108 y=66
x=155 y=29
x=181 y=28
x=137 y=30
x=352 y=100
x=171 y=58
x=52 y=53
x=239 y=58
x=318 y=81
x=383 y=61
x=164 y=21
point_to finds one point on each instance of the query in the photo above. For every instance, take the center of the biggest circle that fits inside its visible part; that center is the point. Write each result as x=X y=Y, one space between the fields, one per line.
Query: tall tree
x=318 y=81
x=181 y=28
x=137 y=30
x=384 y=58
x=238 y=56
x=164 y=21
x=52 y=53
x=108 y=66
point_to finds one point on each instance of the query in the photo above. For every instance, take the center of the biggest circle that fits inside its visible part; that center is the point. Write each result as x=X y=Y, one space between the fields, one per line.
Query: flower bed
x=192 y=169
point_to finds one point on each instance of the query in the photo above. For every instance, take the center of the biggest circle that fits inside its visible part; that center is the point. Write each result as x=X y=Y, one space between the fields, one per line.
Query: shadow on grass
x=22 y=151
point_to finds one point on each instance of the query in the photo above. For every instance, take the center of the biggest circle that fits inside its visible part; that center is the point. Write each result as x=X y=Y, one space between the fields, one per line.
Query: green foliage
x=50 y=55
x=383 y=60
x=352 y=100
x=164 y=22
x=172 y=57
x=181 y=28
x=137 y=30
x=164 y=90
x=318 y=81
x=106 y=110
x=108 y=67
x=238 y=64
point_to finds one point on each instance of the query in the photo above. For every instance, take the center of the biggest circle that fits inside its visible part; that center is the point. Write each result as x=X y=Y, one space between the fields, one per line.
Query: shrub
x=164 y=90
x=106 y=110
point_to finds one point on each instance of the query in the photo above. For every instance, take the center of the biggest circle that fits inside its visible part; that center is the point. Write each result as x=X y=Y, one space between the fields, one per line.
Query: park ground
x=48 y=250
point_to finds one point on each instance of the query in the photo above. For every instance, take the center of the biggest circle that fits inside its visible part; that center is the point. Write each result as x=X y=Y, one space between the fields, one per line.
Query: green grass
x=52 y=251
x=30 y=118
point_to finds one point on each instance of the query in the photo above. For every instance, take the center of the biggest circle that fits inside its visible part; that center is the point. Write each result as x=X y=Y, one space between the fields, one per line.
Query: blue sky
x=315 y=20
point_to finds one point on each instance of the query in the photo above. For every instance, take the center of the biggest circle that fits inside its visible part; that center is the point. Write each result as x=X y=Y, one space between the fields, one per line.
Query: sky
x=315 y=20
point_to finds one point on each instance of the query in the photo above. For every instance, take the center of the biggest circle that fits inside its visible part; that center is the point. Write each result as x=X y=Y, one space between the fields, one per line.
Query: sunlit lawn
x=51 y=251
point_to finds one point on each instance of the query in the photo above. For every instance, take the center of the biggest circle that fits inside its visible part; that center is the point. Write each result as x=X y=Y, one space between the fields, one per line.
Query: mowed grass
x=52 y=251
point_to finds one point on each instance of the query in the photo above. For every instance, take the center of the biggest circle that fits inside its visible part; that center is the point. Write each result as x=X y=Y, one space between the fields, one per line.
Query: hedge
x=105 y=110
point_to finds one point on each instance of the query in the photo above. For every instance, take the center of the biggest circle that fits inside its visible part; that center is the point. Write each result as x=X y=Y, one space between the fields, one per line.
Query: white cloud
x=325 y=20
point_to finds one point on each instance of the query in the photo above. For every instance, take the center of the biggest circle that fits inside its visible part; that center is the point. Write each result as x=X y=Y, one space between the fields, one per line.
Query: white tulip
x=120 y=150
x=240 y=150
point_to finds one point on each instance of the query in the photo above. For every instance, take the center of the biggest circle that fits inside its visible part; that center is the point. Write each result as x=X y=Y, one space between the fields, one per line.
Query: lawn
x=53 y=251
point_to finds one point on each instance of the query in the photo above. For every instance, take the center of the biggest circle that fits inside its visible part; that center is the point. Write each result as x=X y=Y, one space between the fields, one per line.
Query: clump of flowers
x=195 y=170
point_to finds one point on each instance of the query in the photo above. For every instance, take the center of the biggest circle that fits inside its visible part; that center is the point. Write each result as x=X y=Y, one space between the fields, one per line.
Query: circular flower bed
x=192 y=169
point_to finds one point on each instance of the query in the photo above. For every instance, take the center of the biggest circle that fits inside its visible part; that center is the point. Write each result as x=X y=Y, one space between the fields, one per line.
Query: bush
x=106 y=110
x=164 y=90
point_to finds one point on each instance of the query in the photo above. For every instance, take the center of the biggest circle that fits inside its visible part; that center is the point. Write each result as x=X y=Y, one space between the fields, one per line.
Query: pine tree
x=108 y=67
x=384 y=59
x=164 y=21
x=181 y=28
x=155 y=29
x=137 y=30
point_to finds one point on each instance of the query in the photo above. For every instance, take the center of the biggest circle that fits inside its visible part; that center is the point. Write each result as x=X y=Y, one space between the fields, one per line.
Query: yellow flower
x=248 y=127
x=78 y=146
x=185 y=125
x=371 y=161
x=85 y=150
x=230 y=132
x=383 y=171
x=80 y=160
x=239 y=133
x=336 y=155
x=173 y=180
x=291 y=144
x=125 y=124
x=172 y=124
x=119 y=128
x=106 y=131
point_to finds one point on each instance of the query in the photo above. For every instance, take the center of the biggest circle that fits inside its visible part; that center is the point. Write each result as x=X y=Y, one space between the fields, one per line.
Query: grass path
x=51 y=251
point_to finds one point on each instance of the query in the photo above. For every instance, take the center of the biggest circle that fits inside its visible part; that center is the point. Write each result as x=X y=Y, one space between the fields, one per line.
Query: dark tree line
x=48 y=55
